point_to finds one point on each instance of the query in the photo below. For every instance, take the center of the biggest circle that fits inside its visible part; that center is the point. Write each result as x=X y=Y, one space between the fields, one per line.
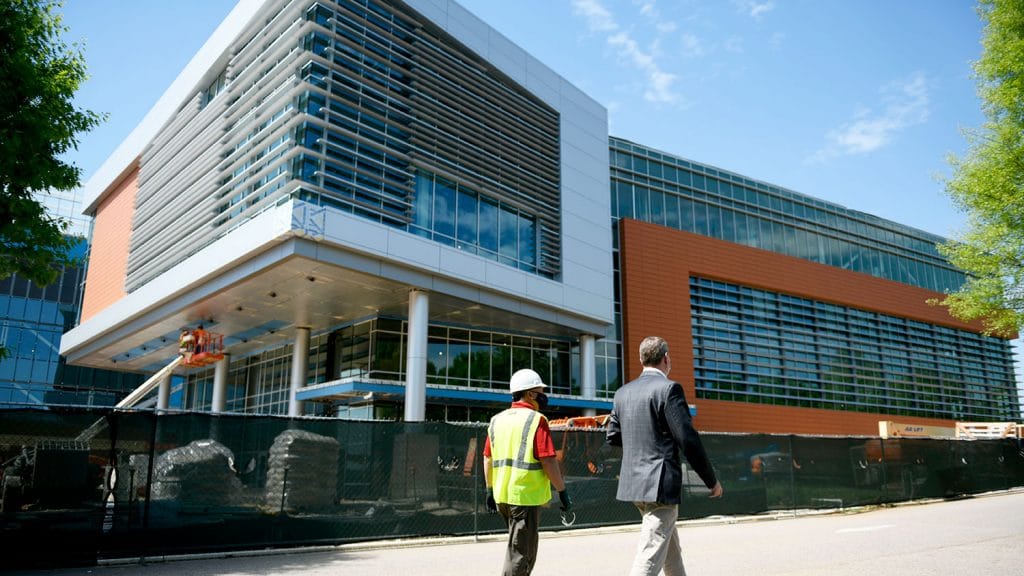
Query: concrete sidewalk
x=977 y=535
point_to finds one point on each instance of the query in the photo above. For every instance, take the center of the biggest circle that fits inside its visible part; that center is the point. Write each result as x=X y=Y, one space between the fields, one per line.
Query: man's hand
x=716 y=491
x=563 y=496
x=492 y=506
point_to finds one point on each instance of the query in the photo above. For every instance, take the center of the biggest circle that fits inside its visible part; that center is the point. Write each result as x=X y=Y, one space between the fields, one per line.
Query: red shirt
x=543 y=445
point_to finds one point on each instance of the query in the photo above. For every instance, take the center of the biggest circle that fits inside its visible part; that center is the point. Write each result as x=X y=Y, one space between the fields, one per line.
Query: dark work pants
x=523 y=533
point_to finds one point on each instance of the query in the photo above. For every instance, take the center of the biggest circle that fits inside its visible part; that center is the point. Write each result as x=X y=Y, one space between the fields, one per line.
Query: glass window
x=387 y=354
x=444 y=208
x=657 y=208
x=467 y=226
x=625 y=199
x=527 y=241
x=640 y=165
x=643 y=203
x=17 y=308
x=501 y=367
x=672 y=211
x=423 y=203
x=699 y=182
x=458 y=363
x=437 y=360
x=508 y=224
x=700 y=218
x=33 y=308
x=655 y=169
x=728 y=225
x=480 y=365
x=686 y=215
x=488 y=225
x=714 y=222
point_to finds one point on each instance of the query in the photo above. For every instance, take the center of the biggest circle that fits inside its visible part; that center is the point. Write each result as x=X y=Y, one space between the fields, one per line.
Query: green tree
x=988 y=182
x=39 y=74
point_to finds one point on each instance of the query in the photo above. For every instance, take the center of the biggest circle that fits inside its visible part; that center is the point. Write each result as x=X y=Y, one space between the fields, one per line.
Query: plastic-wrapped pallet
x=200 y=473
x=302 y=472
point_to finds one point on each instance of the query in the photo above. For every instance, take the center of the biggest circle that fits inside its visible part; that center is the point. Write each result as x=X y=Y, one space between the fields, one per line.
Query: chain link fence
x=101 y=484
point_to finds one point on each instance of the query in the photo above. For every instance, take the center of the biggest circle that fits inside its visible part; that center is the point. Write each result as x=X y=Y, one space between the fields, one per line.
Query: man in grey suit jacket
x=651 y=421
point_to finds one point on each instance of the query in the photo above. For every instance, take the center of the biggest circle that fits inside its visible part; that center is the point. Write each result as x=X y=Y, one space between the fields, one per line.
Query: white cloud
x=650 y=11
x=753 y=8
x=659 y=83
x=666 y=27
x=733 y=44
x=905 y=103
x=692 y=46
x=599 y=19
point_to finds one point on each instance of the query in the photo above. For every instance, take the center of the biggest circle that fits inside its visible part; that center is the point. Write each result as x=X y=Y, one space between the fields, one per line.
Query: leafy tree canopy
x=39 y=74
x=988 y=182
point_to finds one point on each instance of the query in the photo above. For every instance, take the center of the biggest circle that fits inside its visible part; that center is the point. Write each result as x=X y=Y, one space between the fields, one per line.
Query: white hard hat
x=525 y=379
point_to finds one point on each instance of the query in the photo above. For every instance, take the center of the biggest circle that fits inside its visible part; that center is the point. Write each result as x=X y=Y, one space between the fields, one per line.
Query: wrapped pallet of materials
x=201 y=473
x=302 y=472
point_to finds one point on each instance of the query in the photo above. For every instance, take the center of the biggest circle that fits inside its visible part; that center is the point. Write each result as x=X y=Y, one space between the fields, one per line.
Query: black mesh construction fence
x=100 y=484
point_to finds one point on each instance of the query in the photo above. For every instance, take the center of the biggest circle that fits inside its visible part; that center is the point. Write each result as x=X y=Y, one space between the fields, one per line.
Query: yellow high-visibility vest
x=517 y=475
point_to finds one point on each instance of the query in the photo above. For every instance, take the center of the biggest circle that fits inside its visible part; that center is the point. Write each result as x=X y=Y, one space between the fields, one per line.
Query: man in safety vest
x=519 y=469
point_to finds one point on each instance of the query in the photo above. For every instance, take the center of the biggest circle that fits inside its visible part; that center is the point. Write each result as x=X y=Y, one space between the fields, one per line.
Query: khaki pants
x=523 y=533
x=659 y=541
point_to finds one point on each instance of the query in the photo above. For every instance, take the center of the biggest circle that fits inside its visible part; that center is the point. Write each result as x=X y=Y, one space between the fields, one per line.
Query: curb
x=480 y=538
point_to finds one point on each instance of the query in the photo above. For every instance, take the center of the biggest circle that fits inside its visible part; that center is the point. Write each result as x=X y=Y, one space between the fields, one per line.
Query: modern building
x=791 y=313
x=380 y=206
x=385 y=208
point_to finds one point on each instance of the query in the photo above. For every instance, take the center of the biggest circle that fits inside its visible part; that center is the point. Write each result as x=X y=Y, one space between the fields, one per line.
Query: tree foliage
x=39 y=74
x=988 y=182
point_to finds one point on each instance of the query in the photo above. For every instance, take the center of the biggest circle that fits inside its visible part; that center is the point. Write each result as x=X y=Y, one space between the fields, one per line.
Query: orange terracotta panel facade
x=656 y=266
x=108 y=254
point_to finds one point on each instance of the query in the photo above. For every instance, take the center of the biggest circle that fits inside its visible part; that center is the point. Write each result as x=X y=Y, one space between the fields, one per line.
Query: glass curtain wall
x=757 y=346
x=654 y=187
x=456 y=356
x=32 y=320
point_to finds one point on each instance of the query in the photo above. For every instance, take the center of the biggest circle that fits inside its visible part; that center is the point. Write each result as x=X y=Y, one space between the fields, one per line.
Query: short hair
x=652 y=350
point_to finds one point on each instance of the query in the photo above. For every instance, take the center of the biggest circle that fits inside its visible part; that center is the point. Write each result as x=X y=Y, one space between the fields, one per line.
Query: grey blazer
x=650 y=419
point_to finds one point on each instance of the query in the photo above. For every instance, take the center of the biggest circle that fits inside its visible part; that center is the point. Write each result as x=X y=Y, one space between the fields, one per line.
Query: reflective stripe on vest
x=518 y=476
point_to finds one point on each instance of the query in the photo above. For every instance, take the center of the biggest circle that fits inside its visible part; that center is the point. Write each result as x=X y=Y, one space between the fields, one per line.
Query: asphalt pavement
x=981 y=535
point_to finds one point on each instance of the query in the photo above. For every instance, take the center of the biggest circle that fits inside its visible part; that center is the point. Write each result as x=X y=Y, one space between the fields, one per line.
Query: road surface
x=980 y=536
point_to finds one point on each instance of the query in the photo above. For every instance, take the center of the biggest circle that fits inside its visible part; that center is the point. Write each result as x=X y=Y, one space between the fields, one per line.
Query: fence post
x=792 y=475
x=476 y=497
x=149 y=473
x=885 y=471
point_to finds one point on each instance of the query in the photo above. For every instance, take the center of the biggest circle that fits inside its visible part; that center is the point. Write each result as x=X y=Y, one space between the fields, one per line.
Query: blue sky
x=857 y=102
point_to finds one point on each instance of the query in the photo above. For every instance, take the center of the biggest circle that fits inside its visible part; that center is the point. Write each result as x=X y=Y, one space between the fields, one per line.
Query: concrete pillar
x=416 y=362
x=163 y=398
x=300 y=359
x=588 y=371
x=220 y=385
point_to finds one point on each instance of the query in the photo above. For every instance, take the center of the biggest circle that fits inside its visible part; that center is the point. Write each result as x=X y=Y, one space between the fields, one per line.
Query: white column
x=163 y=397
x=416 y=361
x=300 y=358
x=588 y=371
x=220 y=385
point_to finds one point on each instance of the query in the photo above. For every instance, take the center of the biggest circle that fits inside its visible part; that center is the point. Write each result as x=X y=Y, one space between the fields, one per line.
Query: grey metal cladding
x=230 y=153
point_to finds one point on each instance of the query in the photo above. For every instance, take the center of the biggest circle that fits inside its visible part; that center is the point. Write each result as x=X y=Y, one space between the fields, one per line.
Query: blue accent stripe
x=440 y=393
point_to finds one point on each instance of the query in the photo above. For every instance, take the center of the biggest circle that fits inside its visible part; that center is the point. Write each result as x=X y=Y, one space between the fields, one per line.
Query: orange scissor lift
x=208 y=348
